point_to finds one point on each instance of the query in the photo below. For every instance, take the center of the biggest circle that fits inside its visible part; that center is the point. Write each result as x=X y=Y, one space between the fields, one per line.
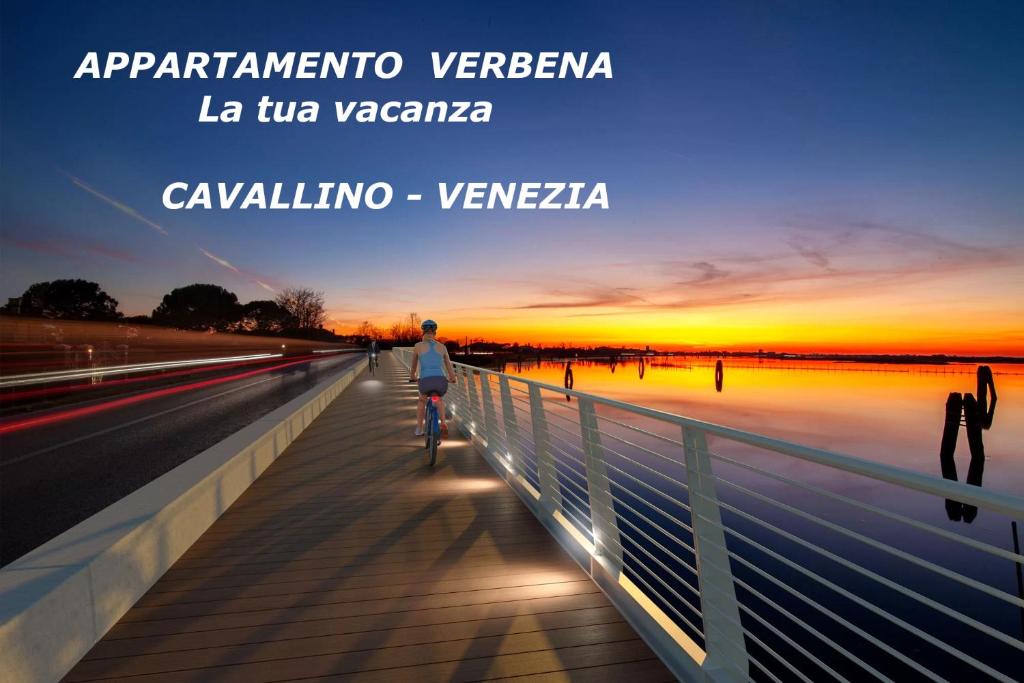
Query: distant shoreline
x=898 y=359
x=621 y=354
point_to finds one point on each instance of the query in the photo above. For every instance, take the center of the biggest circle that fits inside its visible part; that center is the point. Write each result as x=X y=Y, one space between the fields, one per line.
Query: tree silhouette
x=265 y=316
x=66 y=299
x=406 y=331
x=199 y=307
x=305 y=305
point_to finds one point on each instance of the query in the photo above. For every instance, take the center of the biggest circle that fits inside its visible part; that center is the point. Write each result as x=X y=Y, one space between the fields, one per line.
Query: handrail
x=784 y=567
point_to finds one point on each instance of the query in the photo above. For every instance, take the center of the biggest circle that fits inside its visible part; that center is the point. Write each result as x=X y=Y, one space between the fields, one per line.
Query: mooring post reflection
x=972 y=415
x=719 y=376
x=568 y=380
x=977 y=414
x=986 y=396
x=947 y=448
x=641 y=368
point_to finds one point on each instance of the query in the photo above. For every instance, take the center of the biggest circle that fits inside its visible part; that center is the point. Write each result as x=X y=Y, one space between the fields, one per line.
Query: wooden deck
x=349 y=559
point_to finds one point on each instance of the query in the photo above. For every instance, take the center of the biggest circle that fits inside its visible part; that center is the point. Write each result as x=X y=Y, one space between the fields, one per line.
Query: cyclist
x=435 y=371
x=372 y=353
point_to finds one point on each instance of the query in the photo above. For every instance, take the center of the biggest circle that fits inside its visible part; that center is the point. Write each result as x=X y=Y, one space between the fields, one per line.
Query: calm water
x=887 y=413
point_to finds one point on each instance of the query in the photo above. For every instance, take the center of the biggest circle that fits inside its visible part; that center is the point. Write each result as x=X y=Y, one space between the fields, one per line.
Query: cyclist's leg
x=421 y=407
x=440 y=412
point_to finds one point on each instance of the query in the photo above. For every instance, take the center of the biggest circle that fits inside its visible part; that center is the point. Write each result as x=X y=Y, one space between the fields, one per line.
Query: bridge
x=562 y=536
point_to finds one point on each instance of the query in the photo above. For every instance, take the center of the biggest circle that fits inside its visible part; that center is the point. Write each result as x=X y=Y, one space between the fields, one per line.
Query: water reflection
x=719 y=376
x=891 y=413
x=977 y=415
x=986 y=389
x=569 y=380
x=641 y=368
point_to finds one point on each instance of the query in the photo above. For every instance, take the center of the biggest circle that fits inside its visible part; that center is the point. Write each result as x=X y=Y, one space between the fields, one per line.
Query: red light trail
x=49 y=391
x=74 y=413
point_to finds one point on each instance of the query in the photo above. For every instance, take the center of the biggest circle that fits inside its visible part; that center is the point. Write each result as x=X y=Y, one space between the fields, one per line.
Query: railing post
x=461 y=396
x=723 y=634
x=490 y=420
x=474 y=407
x=547 y=475
x=508 y=412
x=602 y=507
x=453 y=402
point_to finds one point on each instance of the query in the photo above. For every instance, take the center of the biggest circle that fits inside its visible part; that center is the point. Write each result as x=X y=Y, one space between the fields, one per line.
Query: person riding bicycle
x=435 y=371
x=372 y=351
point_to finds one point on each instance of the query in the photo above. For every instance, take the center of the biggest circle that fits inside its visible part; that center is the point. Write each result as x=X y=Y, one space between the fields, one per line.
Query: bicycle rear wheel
x=433 y=434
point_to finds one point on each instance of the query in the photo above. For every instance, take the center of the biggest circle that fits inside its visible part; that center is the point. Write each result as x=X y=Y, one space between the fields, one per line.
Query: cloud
x=217 y=259
x=592 y=297
x=255 y=278
x=120 y=206
x=265 y=286
x=813 y=256
x=706 y=272
x=111 y=253
x=822 y=261
x=70 y=248
x=47 y=248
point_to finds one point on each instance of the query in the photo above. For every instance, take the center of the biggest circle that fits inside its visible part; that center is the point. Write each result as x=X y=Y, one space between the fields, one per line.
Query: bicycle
x=432 y=428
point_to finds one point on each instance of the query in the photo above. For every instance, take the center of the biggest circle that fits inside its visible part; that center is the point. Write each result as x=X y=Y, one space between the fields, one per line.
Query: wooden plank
x=295 y=539
x=642 y=671
x=282 y=649
x=436 y=618
x=483 y=545
x=197 y=592
x=408 y=584
x=350 y=560
x=379 y=565
x=460 y=660
x=133 y=625
x=458 y=592
x=198 y=579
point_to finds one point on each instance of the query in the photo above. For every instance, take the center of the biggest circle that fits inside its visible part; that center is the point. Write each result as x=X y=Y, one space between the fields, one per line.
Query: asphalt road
x=56 y=475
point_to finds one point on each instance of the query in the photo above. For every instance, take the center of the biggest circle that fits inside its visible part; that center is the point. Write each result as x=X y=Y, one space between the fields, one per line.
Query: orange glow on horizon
x=669 y=332
x=960 y=313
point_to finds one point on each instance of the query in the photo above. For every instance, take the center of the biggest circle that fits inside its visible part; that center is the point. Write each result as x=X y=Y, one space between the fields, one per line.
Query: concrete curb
x=57 y=601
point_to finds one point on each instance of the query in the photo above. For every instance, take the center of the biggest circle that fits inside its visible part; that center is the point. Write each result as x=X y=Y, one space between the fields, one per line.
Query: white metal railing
x=742 y=557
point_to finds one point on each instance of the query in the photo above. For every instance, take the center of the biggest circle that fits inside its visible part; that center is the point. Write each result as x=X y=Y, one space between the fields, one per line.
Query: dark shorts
x=433 y=384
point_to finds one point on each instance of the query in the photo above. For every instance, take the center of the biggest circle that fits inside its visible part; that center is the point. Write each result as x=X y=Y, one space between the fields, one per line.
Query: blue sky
x=730 y=133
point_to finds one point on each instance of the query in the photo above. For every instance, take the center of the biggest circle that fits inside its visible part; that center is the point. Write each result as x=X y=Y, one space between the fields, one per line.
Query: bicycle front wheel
x=433 y=436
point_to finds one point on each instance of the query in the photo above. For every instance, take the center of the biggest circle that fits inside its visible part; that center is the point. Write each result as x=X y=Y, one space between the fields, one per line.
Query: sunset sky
x=795 y=176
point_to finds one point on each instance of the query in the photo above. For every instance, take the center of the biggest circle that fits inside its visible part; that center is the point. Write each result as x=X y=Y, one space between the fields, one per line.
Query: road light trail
x=69 y=375
x=131 y=423
x=15 y=396
x=74 y=413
